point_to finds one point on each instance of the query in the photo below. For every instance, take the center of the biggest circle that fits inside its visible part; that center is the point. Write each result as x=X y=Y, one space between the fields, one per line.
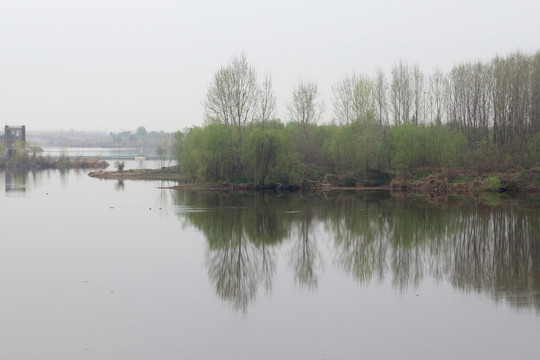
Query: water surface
x=102 y=269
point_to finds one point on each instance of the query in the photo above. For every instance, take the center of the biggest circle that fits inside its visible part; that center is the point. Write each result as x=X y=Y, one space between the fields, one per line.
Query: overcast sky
x=118 y=64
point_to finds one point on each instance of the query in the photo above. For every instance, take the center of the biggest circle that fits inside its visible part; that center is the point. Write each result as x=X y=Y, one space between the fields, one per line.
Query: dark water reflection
x=18 y=181
x=371 y=237
x=15 y=182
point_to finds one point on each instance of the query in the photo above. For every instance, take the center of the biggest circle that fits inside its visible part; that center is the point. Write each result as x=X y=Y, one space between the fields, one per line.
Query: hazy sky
x=118 y=64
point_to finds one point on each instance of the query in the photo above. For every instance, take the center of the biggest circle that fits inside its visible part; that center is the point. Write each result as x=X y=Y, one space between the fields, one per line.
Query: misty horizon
x=112 y=66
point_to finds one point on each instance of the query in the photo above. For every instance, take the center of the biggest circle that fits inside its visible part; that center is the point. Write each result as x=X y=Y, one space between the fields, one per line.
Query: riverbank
x=453 y=182
x=433 y=183
x=165 y=173
x=329 y=182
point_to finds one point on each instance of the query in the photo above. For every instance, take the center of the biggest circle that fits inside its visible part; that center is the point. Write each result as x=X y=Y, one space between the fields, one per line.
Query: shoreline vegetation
x=28 y=157
x=472 y=130
x=407 y=131
x=431 y=184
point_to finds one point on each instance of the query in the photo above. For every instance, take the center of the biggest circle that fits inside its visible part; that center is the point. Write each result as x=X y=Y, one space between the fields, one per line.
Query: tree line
x=479 y=116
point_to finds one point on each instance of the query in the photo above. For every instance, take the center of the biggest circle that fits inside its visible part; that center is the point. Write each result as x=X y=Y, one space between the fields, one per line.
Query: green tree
x=268 y=154
x=205 y=153
x=119 y=165
x=141 y=133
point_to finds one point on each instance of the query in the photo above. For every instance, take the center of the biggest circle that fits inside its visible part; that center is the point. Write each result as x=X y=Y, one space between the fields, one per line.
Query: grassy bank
x=168 y=173
x=433 y=183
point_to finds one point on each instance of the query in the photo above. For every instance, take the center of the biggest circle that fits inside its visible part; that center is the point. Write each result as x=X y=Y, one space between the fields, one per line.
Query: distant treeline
x=140 y=138
x=481 y=116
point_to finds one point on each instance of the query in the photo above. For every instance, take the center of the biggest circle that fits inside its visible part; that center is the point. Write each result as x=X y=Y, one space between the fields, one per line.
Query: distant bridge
x=12 y=135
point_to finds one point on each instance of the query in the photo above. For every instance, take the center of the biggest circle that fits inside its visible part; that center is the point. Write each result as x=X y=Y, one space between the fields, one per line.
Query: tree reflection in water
x=305 y=257
x=493 y=250
x=234 y=268
x=498 y=253
x=360 y=248
x=241 y=234
x=15 y=181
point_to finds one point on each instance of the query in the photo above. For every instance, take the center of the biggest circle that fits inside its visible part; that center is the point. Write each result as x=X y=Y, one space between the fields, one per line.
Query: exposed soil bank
x=458 y=183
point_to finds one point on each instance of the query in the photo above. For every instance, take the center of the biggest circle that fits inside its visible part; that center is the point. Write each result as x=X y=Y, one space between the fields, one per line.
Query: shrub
x=119 y=165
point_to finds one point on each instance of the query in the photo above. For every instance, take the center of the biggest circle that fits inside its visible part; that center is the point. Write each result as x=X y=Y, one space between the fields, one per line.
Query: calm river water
x=102 y=269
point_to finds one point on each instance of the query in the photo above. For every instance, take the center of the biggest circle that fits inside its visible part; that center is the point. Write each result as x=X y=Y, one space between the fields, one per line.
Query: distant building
x=12 y=134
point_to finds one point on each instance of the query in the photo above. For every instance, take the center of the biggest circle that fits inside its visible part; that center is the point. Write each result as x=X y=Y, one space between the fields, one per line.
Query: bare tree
x=418 y=94
x=267 y=101
x=401 y=93
x=535 y=94
x=512 y=88
x=469 y=100
x=343 y=102
x=305 y=107
x=436 y=97
x=306 y=110
x=232 y=96
x=354 y=100
x=380 y=93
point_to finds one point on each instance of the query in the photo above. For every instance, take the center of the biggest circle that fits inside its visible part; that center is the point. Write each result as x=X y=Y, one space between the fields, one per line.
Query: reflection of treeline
x=259 y=217
x=475 y=247
x=498 y=253
x=494 y=250
x=242 y=232
x=480 y=116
